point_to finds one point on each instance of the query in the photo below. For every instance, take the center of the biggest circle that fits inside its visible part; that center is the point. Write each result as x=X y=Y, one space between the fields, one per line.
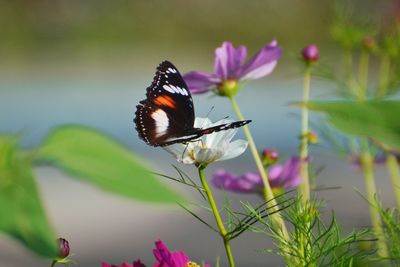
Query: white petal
x=220 y=138
x=207 y=155
x=202 y=122
x=181 y=152
x=234 y=149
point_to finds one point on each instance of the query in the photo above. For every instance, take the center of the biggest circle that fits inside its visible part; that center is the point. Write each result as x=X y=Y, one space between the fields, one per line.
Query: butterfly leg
x=184 y=151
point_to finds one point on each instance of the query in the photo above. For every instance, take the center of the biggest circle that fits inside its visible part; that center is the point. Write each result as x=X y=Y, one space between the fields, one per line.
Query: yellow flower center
x=228 y=88
x=192 y=264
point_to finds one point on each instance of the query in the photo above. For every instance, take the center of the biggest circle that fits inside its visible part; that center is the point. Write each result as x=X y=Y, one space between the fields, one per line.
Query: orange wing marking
x=165 y=101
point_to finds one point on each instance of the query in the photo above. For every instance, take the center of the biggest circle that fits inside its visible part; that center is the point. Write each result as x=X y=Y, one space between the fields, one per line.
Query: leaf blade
x=95 y=158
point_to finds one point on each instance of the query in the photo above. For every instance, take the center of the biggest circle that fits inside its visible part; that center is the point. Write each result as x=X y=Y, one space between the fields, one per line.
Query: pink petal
x=228 y=60
x=200 y=82
x=262 y=63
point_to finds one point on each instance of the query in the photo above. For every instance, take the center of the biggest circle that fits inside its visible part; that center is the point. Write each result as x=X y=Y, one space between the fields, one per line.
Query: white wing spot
x=169 y=88
x=171 y=70
x=161 y=120
x=180 y=90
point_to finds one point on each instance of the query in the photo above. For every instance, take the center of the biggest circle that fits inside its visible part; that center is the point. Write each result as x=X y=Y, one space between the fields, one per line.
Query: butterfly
x=166 y=116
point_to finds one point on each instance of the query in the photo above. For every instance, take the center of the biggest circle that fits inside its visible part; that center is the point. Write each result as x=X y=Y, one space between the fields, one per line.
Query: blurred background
x=89 y=62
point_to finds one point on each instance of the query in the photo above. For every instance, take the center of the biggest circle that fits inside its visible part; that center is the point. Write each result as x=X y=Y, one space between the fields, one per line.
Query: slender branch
x=394 y=172
x=217 y=216
x=268 y=194
x=384 y=76
x=305 y=185
x=369 y=179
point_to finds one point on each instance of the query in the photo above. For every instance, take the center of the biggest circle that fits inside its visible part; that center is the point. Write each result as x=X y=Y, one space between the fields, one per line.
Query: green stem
x=367 y=164
x=217 y=216
x=305 y=185
x=363 y=75
x=348 y=70
x=268 y=194
x=53 y=263
x=368 y=170
x=393 y=168
x=384 y=70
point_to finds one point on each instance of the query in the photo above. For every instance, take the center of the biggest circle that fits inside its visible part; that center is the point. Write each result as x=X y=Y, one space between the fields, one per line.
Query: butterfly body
x=167 y=116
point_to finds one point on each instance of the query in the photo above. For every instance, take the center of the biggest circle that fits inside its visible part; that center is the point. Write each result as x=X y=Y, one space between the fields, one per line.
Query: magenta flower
x=230 y=68
x=165 y=258
x=280 y=176
x=136 y=263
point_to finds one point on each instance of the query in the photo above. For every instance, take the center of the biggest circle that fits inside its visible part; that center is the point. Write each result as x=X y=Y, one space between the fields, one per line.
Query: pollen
x=164 y=101
x=192 y=264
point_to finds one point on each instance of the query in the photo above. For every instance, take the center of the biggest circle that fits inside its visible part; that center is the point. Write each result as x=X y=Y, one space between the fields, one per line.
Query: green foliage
x=391 y=221
x=93 y=157
x=22 y=214
x=375 y=119
x=313 y=242
x=347 y=32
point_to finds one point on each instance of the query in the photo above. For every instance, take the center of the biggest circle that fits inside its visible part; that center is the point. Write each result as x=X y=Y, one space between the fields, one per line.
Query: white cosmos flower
x=210 y=147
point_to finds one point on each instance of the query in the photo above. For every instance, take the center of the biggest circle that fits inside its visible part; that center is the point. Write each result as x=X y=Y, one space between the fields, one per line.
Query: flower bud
x=312 y=137
x=63 y=248
x=310 y=53
x=270 y=156
x=369 y=43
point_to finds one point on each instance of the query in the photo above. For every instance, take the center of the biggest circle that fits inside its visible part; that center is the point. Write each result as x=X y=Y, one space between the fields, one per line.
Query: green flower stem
x=348 y=70
x=305 y=185
x=217 y=216
x=393 y=168
x=268 y=194
x=363 y=75
x=384 y=70
x=53 y=263
x=368 y=170
x=367 y=164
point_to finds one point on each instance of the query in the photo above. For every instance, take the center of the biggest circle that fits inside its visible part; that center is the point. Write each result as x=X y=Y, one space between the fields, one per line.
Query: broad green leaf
x=96 y=158
x=21 y=212
x=379 y=120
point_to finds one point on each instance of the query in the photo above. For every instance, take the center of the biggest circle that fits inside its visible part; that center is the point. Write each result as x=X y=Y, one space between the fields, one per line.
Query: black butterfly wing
x=196 y=133
x=167 y=113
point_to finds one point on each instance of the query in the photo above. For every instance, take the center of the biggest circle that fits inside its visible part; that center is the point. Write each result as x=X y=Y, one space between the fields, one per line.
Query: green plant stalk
x=217 y=216
x=367 y=164
x=348 y=69
x=384 y=70
x=393 y=168
x=304 y=174
x=53 y=263
x=368 y=170
x=276 y=218
x=305 y=185
x=363 y=75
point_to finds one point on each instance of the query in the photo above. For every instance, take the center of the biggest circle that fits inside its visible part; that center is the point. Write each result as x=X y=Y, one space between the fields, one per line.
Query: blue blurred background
x=89 y=62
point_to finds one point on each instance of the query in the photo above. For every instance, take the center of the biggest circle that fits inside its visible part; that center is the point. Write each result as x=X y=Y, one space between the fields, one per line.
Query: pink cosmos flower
x=136 y=263
x=164 y=258
x=230 y=68
x=285 y=176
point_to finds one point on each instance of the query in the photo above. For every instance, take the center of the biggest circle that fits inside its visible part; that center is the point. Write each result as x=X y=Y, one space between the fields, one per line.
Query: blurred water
x=101 y=226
